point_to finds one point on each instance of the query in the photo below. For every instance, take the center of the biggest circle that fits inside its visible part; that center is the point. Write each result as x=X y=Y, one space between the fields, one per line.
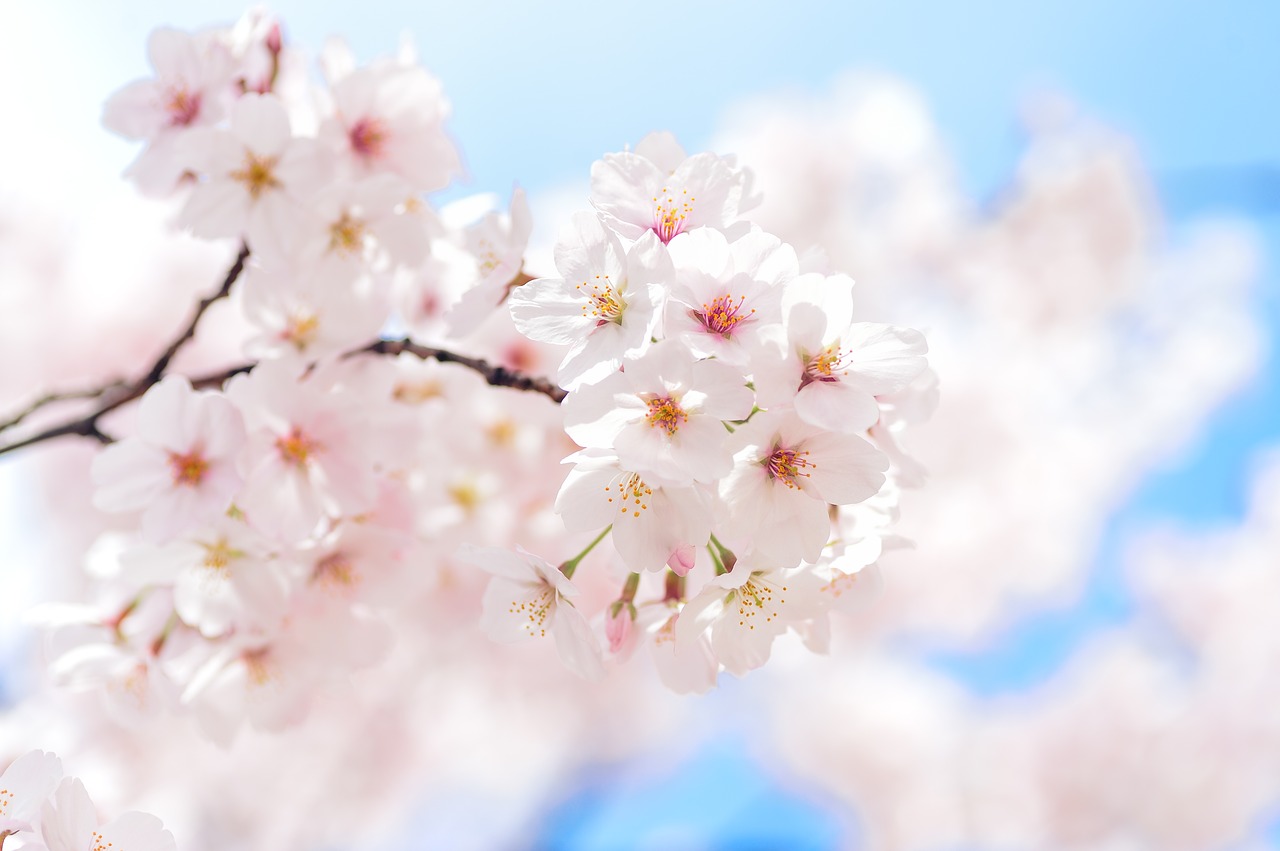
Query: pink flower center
x=183 y=107
x=723 y=315
x=368 y=137
x=297 y=448
x=346 y=235
x=665 y=413
x=336 y=569
x=188 y=468
x=789 y=466
x=671 y=212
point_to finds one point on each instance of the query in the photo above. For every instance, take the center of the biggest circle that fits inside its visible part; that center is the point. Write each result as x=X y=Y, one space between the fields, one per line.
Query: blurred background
x=1076 y=201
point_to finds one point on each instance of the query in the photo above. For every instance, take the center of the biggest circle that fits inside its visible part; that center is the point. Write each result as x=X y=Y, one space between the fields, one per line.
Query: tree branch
x=118 y=392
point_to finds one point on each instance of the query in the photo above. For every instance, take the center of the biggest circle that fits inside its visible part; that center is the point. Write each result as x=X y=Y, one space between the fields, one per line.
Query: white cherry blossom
x=180 y=468
x=663 y=414
x=604 y=305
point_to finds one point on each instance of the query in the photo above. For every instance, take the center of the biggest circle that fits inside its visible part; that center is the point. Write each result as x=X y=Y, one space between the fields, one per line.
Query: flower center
x=665 y=413
x=722 y=315
x=182 y=106
x=188 y=469
x=670 y=211
x=603 y=301
x=300 y=332
x=257 y=174
x=633 y=494
x=220 y=554
x=368 y=137
x=296 y=448
x=535 y=610
x=789 y=466
x=347 y=234
x=336 y=569
x=756 y=599
x=828 y=365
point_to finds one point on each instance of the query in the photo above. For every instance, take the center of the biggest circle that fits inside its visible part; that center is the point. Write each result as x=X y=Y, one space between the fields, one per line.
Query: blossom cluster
x=36 y=800
x=285 y=520
x=729 y=408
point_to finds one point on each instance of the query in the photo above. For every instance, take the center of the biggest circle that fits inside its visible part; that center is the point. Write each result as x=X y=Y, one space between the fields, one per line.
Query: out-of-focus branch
x=119 y=392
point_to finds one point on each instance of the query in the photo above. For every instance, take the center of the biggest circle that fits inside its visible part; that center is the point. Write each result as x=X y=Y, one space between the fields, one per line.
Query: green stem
x=719 y=564
x=629 y=590
x=568 y=567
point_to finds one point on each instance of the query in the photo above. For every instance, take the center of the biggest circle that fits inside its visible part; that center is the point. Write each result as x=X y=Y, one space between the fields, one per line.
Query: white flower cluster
x=296 y=514
x=728 y=405
x=36 y=800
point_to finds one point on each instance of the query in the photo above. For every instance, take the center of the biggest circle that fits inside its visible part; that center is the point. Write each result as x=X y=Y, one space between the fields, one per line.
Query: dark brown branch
x=162 y=363
x=117 y=393
x=498 y=376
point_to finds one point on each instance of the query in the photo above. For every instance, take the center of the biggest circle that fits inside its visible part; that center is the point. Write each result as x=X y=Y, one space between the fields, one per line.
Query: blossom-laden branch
x=118 y=392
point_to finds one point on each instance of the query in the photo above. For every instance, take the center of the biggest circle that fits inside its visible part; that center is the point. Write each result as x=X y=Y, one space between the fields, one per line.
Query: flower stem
x=568 y=567
x=727 y=559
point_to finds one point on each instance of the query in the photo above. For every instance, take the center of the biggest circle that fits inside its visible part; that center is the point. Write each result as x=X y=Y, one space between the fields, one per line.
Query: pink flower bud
x=618 y=628
x=681 y=560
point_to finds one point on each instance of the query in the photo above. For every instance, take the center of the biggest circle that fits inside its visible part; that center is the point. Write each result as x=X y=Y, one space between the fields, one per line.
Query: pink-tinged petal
x=134 y=111
x=684 y=667
x=883 y=358
x=29 y=780
x=594 y=415
x=662 y=149
x=550 y=311
x=622 y=186
x=586 y=248
x=576 y=643
x=136 y=831
x=172 y=53
x=128 y=475
x=765 y=258
x=725 y=388
x=217 y=425
x=836 y=406
x=216 y=209
x=261 y=123
x=163 y=414
x=583 y=502
x=847 y=469
x=502 y=563
x=708 y=183
x=281 y=502
x=832 y=296
x=69 y=820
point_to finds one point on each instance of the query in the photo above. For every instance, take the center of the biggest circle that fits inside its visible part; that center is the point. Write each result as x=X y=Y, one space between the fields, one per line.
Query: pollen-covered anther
x=534 y=611
x=257 y=174
x=755 y=599
x=665 y=413
x=789 y=466
x=671 y=213
x=723 y=314
x=368 y=137
x=602 y=300
x=297 y=448
x=828 y=365
x=188 y=468
x=633 y=492
x=346 y=235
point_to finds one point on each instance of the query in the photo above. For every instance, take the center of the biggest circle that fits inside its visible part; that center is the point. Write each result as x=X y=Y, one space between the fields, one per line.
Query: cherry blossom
x=180 y=469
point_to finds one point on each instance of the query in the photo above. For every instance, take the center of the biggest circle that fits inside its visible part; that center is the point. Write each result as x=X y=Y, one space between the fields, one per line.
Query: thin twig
x=63 y=396
x=117 y=393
